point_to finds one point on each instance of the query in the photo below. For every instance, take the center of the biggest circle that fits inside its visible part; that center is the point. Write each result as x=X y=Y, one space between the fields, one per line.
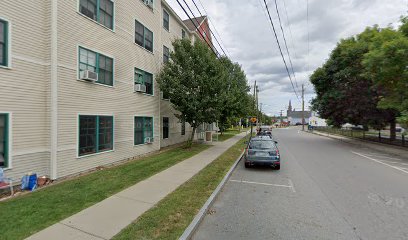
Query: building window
x=4 y=140
x=166 y=20
x=144 y=78
x=143 y=130
x=183 y=34
x=95 y=134
x=165 y=127
x=183 y=127
x=143 y=36
x=4 y=43
x=166 y=54
x=148 y=3
x=98 y=10
x=95 y=62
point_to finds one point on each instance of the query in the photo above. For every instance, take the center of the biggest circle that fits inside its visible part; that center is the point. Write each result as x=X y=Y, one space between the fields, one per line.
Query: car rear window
x=256 y=144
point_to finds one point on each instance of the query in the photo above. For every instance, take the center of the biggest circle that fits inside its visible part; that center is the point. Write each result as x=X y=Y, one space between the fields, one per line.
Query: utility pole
x=254 y=94
x=257 y=107
x=261 y=113
x=281 y=118
x=303 y=107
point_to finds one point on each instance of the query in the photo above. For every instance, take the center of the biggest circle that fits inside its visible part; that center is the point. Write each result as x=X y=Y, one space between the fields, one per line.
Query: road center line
x=378 y=161
x=260 y=183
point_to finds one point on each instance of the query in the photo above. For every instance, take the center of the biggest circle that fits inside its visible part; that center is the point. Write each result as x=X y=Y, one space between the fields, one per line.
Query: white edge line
x=190 y=230
x=375 y=160
x=260 y=183
x=381 y=156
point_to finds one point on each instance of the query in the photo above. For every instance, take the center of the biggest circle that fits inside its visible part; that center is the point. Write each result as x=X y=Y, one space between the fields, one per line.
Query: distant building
x=316 y=121
x=200 y=26
x=295 y=117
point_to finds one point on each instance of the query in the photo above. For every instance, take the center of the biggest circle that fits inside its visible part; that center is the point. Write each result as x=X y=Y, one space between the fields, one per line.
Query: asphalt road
x=326 y=189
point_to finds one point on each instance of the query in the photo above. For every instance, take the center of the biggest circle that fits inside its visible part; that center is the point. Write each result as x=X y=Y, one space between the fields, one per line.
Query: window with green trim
x=166 y=20
x=98 y=10
x=143 y=36
x=3 y=43
x=96 y=62
x=183 y=34
x=166 y=54
x=144 y=78
x=143 y=129
x=95 y=134
x=165 y=127
x=4 y=140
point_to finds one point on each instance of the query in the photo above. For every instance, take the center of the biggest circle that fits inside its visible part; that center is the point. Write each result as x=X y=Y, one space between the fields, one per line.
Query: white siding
x=25 y=87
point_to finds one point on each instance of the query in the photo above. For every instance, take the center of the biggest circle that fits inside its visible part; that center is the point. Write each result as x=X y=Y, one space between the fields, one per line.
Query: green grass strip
x=227 y=134
x=23 y=216
x=169 y=218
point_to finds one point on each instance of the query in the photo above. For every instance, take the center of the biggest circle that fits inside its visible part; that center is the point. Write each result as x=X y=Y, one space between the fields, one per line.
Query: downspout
x=160 y=135
x=54 y=90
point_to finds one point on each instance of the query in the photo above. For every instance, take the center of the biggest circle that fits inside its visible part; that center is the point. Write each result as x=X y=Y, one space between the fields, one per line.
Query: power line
x=280 y=50
x=308 y=36
x=290 y=31
x=215 y=29
x=216 y=53
x=286 y=45
x=198 y=25
x=210 y=28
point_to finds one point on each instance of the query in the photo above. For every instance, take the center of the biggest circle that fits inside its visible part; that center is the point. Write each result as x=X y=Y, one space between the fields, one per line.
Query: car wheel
x=247 y=166
x=277 y=167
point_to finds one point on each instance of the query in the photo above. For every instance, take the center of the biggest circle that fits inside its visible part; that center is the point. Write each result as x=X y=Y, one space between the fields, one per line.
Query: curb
x=190 y=230
x=390 y=149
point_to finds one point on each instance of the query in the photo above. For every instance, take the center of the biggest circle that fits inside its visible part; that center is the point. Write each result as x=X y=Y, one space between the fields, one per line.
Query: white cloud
x=246 y=33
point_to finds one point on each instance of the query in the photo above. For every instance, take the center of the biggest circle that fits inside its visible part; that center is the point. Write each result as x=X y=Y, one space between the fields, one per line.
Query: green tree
x=387 y=64
x=236 y=101
x=191 y=80
x=344 y=93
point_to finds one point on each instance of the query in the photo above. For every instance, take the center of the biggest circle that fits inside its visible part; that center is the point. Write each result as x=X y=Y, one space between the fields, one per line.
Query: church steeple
x=290 y=106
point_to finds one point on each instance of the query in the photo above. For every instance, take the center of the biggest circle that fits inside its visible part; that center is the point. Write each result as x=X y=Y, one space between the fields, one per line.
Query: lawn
x=227 y=134
x=23 y=216
x=169 y=218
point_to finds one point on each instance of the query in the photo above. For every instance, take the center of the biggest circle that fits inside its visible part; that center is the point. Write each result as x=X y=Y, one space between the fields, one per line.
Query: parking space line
x=292 y=186
x=378 y=161
x=260 y=183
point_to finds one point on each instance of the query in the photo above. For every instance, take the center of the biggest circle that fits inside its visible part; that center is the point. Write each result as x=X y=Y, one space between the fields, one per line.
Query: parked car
x=357 y=128
x=265 y=128
x=262 y=151
x=264 y=133
x=399 y=130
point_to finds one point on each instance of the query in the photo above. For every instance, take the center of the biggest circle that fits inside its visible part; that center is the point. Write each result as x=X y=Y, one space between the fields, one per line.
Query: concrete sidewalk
x=107 y=218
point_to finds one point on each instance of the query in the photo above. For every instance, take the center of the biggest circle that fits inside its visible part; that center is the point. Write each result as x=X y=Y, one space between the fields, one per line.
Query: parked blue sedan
x=262 y=151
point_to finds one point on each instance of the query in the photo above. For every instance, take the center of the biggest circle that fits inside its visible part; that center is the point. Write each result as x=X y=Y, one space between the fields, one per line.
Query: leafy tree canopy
x=191 y=80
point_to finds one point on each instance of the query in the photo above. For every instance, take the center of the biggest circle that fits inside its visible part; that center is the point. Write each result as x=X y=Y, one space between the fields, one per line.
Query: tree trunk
x=393 y=134
x=192 y=134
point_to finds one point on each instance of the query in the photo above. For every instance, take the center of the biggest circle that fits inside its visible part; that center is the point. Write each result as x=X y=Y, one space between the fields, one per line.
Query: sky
x=246 y=35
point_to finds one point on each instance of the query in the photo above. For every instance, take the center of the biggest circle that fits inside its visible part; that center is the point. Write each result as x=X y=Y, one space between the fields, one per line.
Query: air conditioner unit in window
x=149 y=140
x=140 y=88
x=149 y=3
x=89 y=76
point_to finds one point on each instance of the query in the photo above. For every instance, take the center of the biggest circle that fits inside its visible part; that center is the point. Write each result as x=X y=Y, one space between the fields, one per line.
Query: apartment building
x=77 y=83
